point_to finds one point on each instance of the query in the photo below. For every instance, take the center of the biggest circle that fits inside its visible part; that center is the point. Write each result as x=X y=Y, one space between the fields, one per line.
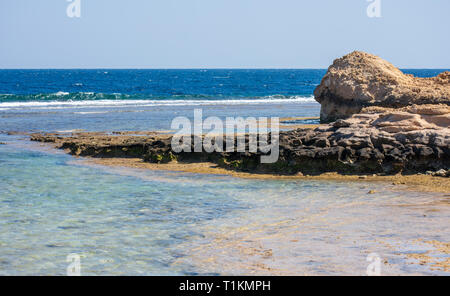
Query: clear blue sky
x=220 y=33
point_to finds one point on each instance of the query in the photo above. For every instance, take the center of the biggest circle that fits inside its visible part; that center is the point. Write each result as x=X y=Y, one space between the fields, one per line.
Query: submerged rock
x=360 y=80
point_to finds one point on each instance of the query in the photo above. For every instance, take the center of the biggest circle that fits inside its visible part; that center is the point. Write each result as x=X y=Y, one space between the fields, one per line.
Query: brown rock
x=360 y=80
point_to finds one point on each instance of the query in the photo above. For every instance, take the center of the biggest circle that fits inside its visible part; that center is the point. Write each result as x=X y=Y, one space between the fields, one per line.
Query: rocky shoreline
x=353 y=146
x=391 y=127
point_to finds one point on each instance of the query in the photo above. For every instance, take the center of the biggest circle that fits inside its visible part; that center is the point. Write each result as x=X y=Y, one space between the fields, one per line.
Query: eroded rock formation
x=360 y=80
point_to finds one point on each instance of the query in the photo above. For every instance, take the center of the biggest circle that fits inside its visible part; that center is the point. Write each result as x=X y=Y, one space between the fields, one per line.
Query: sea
x=124 y=221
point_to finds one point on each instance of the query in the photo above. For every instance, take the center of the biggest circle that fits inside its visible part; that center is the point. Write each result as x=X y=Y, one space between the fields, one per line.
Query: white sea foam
x=91 y=112
x=61 y=93
x=149 y=103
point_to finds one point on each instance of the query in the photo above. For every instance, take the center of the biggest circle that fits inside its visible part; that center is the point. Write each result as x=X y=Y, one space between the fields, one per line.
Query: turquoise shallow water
x=51 y=208
x=130 y=221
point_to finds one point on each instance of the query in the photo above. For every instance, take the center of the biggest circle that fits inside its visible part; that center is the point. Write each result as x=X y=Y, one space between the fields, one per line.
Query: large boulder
x=360 y=80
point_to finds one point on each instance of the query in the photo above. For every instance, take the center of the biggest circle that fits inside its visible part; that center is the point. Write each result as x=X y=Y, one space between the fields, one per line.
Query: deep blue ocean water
x=134 y=222
x=45 y=85
x=157 y=84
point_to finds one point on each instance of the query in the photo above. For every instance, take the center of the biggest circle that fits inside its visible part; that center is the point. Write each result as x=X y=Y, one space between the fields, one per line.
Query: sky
x=221 y=33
